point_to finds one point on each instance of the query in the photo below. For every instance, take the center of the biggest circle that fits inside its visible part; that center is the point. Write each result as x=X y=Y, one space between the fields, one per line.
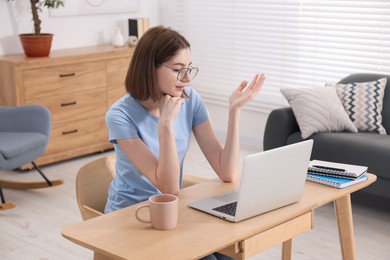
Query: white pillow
x=318 y=110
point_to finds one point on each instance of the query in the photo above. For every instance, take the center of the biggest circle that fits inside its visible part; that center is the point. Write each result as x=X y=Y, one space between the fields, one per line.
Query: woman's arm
x=224 y=161
x=163 y=172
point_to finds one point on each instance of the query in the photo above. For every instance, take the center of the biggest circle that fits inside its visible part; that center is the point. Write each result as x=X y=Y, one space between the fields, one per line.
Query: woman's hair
x=156 y=46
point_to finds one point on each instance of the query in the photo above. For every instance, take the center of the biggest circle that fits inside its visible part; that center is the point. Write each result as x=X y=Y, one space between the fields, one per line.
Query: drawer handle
x=68 y=104
x=69 y=132
x=67 y=75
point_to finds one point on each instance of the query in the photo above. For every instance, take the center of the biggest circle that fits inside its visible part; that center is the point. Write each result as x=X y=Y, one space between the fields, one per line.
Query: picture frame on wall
x=90 y=7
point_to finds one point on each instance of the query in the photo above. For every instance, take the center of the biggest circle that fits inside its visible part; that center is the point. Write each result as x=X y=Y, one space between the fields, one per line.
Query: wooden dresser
x=77 y=85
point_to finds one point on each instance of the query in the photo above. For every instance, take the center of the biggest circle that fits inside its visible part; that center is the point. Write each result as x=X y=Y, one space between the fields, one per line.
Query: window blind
x=295 y=43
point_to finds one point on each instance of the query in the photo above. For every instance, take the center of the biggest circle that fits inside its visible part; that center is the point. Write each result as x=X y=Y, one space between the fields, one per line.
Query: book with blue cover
x=335 y=182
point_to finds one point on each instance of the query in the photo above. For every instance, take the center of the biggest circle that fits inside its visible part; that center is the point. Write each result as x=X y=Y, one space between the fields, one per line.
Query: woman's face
x=167 y=74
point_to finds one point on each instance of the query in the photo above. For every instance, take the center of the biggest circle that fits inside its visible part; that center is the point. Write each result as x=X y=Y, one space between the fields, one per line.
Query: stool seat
x=21 y=144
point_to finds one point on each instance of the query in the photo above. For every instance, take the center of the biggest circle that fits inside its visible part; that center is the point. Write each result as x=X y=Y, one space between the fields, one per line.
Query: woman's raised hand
x=244 y=94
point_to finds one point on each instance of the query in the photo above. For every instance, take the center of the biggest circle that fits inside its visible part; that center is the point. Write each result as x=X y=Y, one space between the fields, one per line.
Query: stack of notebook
x=338 y=175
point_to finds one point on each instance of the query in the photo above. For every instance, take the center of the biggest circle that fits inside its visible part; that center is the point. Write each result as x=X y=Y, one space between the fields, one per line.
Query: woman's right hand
x=169 y=108
x=167 y=173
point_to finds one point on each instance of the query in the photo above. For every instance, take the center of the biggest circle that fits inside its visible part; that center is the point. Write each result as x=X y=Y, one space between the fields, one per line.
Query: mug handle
x=139 y=218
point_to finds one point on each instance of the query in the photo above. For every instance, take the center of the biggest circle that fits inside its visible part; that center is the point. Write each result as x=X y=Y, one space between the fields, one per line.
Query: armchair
x=24 y=135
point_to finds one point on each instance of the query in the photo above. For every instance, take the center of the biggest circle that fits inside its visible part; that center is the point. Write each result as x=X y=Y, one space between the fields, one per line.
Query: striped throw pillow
x=318 y=110
x=363 y=102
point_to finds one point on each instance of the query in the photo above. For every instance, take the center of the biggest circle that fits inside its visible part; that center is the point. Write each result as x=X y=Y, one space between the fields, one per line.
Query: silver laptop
x=270 y=180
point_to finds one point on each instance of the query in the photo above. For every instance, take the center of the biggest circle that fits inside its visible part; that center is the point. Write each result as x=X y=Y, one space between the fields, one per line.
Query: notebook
x=270 y=180
x=332 y=169
x=335 y=182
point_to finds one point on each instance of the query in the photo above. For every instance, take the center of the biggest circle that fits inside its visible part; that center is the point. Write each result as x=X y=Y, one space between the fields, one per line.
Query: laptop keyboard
x=229 y=209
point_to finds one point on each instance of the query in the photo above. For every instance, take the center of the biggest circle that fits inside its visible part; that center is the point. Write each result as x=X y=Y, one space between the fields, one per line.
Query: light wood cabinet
x=115 y=80
x=77 y=85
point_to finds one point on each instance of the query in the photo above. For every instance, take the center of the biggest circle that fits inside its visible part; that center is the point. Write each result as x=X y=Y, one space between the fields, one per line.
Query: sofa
x=362 y=148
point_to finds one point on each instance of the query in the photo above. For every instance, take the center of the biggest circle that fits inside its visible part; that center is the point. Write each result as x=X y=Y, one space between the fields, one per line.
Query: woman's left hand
x=244 y=94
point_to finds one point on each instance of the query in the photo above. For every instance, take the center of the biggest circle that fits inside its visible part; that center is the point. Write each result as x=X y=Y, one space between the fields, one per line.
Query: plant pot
x=36 y=45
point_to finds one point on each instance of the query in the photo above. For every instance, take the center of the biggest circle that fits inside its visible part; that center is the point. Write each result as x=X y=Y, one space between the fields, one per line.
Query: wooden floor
x=32 y=230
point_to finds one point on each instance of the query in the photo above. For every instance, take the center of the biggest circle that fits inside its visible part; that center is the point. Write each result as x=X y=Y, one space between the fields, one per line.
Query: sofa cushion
x=369 y=149
x=363 y=101
x=318 y=110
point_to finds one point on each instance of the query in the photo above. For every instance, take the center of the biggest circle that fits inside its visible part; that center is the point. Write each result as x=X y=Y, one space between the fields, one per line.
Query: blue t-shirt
x=127 y=118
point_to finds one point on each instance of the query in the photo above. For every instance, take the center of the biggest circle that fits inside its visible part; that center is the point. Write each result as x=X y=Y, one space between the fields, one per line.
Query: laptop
x=269 y=180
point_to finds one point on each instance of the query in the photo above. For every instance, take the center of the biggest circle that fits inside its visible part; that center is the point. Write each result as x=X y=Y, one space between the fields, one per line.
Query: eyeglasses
x=181 y=73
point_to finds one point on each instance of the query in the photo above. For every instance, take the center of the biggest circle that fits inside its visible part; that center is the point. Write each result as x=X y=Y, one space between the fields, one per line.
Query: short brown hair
x=156 y=46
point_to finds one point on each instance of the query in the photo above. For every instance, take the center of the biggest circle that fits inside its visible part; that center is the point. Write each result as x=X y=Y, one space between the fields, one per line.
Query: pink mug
x=163 y=210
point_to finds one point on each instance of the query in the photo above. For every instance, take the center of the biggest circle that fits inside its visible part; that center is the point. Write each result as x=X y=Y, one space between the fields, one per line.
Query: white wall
x=69 y=31
x=90 y=30
x=252 y=124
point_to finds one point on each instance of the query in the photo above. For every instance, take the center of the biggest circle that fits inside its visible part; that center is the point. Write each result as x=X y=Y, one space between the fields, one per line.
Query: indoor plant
x=38 y=44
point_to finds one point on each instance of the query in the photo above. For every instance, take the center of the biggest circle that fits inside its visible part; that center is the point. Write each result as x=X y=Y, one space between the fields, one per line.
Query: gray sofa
x=370 y=149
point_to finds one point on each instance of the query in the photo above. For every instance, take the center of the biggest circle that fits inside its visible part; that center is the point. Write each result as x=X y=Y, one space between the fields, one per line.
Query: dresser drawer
x=75 y=106
x=66 y=79
x=77 y=134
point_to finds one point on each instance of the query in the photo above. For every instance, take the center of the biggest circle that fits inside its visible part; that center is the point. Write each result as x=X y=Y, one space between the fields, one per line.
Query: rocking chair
x=24 y=135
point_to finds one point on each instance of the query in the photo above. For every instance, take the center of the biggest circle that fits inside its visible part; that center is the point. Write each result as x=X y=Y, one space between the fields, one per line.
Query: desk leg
x=287 y=250
x=344 y=220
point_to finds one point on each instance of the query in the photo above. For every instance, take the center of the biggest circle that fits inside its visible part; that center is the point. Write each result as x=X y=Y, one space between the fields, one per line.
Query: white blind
x=295 y=43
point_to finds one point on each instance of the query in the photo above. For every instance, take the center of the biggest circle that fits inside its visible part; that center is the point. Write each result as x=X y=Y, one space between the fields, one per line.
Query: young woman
x=151 y=126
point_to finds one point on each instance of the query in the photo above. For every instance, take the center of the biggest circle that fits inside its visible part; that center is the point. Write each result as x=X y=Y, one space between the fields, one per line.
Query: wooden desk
x=120 y=236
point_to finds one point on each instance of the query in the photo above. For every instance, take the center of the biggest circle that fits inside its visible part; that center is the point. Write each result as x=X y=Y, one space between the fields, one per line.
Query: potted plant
x=38 y=44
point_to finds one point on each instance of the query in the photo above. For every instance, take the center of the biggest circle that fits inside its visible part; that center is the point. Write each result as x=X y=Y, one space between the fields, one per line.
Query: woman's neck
x=153 y=107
